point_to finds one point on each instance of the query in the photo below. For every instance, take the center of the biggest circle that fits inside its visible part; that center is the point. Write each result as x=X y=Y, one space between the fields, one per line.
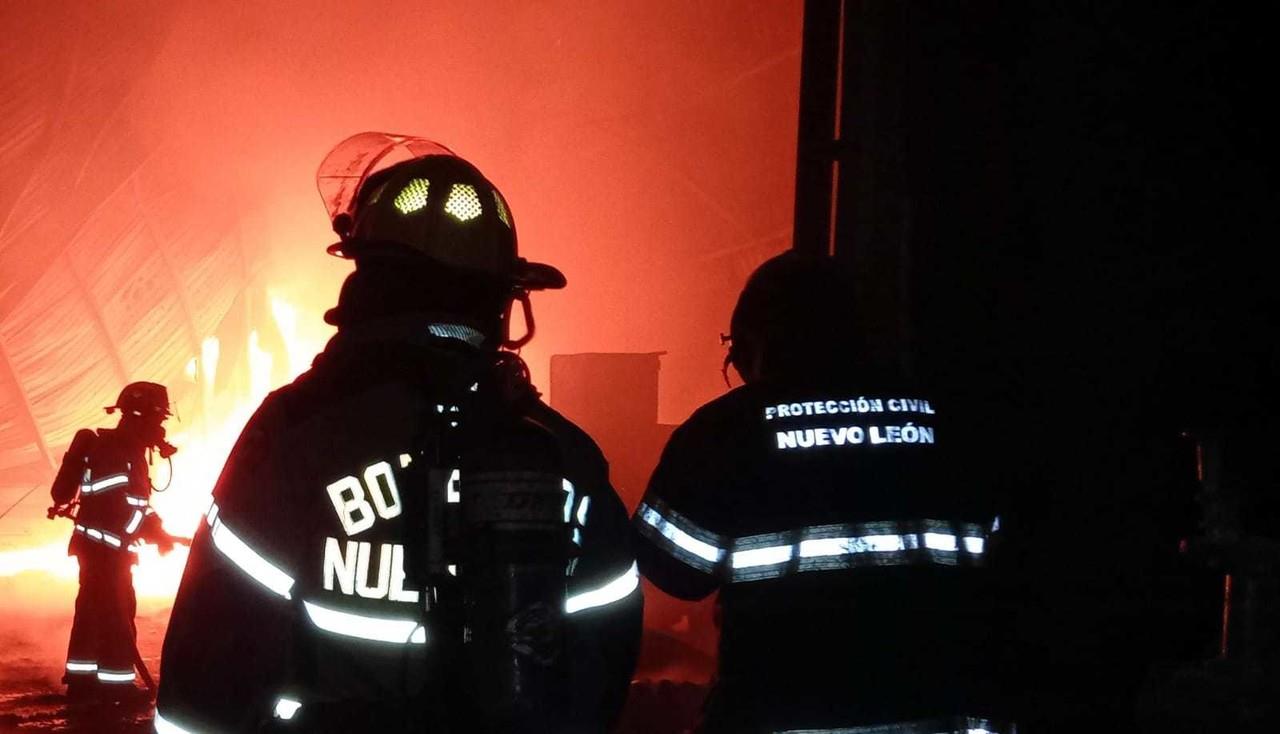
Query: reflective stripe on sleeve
x=249 y=560
x=615 y=590
x=567 y=486
x=680 y=537
x=136 y=501
x=105 y=483
x=134 y=522
x=378 y=629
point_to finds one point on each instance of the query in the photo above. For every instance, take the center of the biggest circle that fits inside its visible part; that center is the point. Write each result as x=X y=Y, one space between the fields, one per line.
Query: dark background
x=1092 y=198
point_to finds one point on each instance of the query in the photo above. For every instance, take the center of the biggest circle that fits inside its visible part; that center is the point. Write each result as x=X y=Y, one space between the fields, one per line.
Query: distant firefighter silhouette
x=104 y=488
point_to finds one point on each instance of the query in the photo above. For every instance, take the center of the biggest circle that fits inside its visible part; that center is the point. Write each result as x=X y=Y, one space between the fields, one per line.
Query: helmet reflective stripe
x=115 y=480
x=286 y=708
x=947 y=725
x=249 y=561
x=463 y=202
x=676 y=533
x=116 y=676
x=165 y=726
x=413 y=197
x=615 y=590
x=502 y=208
x=81 y=666
x=366 y=627
x=582 y=510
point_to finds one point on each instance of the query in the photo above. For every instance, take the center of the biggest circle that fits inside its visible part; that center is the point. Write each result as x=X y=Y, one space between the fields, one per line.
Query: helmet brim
x=531 y=276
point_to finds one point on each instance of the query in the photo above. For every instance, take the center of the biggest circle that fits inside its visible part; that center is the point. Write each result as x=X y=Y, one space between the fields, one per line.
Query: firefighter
x=104 y=486
x=406 y=538
x=821 y=500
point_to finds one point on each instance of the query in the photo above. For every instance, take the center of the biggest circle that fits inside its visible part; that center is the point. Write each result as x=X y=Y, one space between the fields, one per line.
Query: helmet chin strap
x=513 y=344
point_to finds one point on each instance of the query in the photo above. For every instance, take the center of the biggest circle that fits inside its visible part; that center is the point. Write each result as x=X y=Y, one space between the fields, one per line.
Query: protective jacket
x=849 y=548
x=376 y=556
x=104 y=476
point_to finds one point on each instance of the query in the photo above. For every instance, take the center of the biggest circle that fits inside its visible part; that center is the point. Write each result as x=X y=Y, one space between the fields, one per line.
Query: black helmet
x=398 y=195
x=145 y=399
x=794 y=316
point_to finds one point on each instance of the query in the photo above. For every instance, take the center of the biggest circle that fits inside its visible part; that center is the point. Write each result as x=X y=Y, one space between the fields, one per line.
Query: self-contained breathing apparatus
x=494 y=545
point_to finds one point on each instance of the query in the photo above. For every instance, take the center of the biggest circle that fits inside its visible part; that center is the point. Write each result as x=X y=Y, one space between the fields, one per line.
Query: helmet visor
x=351 y=162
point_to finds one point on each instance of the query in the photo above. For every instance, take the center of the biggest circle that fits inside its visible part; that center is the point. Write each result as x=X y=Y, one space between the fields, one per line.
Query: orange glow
x=159 y=219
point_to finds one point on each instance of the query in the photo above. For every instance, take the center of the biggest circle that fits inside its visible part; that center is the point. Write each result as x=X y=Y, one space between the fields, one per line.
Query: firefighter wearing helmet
x=104 y=487
x=406 y=538
x=825 y=502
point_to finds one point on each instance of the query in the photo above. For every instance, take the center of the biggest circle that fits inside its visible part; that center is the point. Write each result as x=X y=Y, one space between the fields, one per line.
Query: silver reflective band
x=615 y=590
x=136 y=501
x=451 y=493
x=460 y=332
x=286 y=708
x=116 y=676
x=946 y=725
x=834 y=547
x=211 y=514
x=81 y=666
x=164 y=726
x=681 y=537
x=567 y=486
x=249 y=561
x=379 y=629
x=102 y=485
x=134 y=522
x=100 y=536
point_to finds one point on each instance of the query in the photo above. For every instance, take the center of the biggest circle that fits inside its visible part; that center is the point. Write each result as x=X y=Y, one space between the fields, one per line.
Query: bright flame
x=51 y=558
x=299 y=350
x=209 y=350
x=260 y=362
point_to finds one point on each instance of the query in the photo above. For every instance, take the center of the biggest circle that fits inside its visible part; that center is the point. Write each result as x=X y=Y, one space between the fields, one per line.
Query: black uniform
x=307 y=603
x=848 y=547
x=106 y=471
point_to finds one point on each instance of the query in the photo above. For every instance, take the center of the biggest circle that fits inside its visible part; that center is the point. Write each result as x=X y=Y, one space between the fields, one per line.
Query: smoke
x=646 y=148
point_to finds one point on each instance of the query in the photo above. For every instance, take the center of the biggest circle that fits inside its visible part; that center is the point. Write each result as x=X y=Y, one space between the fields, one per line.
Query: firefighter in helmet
x=406 y=538
x=823 y=501
x=104 y=486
